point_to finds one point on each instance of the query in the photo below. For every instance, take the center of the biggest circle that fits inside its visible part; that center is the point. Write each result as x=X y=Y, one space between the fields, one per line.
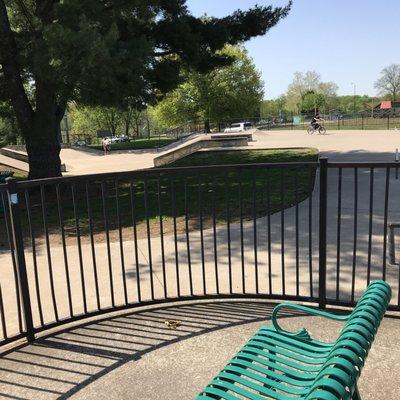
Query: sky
x=346 y=41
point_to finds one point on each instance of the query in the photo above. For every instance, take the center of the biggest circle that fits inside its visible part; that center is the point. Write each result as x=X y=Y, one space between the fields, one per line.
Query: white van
x=239 y=127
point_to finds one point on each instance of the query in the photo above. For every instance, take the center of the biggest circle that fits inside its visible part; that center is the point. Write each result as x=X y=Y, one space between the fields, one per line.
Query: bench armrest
x=312 y=311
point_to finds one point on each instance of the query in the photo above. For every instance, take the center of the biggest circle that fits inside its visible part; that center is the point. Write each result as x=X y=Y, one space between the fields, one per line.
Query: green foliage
x=9 y=132
x=273 y=107
x=307 y=92
x=225 y=93
x=349 y=104
x=105 y=53
x=86 y=121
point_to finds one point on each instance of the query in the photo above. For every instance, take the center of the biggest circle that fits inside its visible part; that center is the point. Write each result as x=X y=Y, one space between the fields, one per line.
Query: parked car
x=239 y=127
x=119 y=139
x=80 y=143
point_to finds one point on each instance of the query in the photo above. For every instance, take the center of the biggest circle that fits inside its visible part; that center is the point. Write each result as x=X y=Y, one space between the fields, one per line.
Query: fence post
x=13 y=201
x=323 y=204
x=362 y=122
x=388 y=122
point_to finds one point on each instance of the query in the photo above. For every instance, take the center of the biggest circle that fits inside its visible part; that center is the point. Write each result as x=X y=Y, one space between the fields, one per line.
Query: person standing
x=106 y=142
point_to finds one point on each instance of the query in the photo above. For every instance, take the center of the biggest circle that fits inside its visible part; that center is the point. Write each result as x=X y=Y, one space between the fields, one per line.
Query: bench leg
x=356 y=394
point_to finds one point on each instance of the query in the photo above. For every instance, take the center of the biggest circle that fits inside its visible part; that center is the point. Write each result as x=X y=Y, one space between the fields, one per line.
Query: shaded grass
x=190 y=197
x=16 y=173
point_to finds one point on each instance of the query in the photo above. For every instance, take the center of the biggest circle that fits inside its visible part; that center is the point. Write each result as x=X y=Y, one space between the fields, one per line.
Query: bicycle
x=320 y=129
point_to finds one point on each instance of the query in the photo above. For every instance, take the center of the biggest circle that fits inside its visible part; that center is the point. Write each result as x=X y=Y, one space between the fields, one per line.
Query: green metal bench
x=276 y=364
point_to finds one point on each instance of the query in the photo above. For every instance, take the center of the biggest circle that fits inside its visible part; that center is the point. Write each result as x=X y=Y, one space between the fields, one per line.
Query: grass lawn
x=147 y=143
x=257 y=191
x=247 y=192
x=17 y=174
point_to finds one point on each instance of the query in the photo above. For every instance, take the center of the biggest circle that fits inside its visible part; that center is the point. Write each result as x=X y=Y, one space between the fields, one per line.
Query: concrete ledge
x=16 y=154
x=204 y=143
x=21 y=155
x=239 y=135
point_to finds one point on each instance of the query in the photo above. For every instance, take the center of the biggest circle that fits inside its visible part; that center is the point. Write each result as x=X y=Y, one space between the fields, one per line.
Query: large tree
x=389 y=82
x=229 y=92
x=103 y=52
x=273 y=107
x=307 y=92
x=86 y=121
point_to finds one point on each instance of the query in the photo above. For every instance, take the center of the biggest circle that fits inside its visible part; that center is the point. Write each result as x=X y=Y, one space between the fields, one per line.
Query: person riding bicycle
x=315 y=122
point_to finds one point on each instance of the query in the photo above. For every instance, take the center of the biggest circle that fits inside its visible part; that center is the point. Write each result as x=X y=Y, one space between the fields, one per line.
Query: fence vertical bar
x=385 y=224
x=268 y=191
x=338 y=234
x=160 y=214
x=355 y=229
x=203 y=264
x=8 y=227
x=189 y=258
x=323 y=203
x=214 y=223
x=310 y=230
x=228 y=231
x=371 y=213
x=20 y=256
x=255 y=241
x=282 y=199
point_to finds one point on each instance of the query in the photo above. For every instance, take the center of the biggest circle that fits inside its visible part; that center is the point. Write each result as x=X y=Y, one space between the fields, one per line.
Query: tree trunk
x=127 y=125
x=207 y=126
x=43 y=148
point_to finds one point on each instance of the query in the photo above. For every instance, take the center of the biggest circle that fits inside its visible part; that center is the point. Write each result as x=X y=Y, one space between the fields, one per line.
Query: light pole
x=354 y=97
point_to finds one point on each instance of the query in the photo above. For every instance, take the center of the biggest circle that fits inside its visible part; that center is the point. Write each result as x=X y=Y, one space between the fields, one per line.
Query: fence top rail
x=150 y=172
x=393 y=164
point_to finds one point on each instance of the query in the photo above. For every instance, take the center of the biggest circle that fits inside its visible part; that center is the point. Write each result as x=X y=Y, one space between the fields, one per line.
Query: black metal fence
x=332 y=121
x=77 y=247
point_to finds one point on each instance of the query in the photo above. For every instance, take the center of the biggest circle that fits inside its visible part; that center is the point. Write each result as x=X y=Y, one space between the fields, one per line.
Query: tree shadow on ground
x=59 y=366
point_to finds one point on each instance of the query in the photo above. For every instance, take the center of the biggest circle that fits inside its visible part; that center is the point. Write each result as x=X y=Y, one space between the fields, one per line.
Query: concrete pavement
x=371 y=145
x=135 y=356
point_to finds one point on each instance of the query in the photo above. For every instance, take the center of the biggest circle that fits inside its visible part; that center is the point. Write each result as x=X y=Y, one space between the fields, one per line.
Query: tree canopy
x=389 y=82
x=86 y=121
x=308 y=93
x=105 y=53
x=233 y=91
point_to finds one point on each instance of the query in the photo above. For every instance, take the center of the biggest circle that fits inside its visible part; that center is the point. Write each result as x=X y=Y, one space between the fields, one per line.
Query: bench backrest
x=340 y=372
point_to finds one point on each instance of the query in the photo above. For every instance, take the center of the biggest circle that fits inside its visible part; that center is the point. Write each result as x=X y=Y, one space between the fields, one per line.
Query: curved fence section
x=76 y=247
